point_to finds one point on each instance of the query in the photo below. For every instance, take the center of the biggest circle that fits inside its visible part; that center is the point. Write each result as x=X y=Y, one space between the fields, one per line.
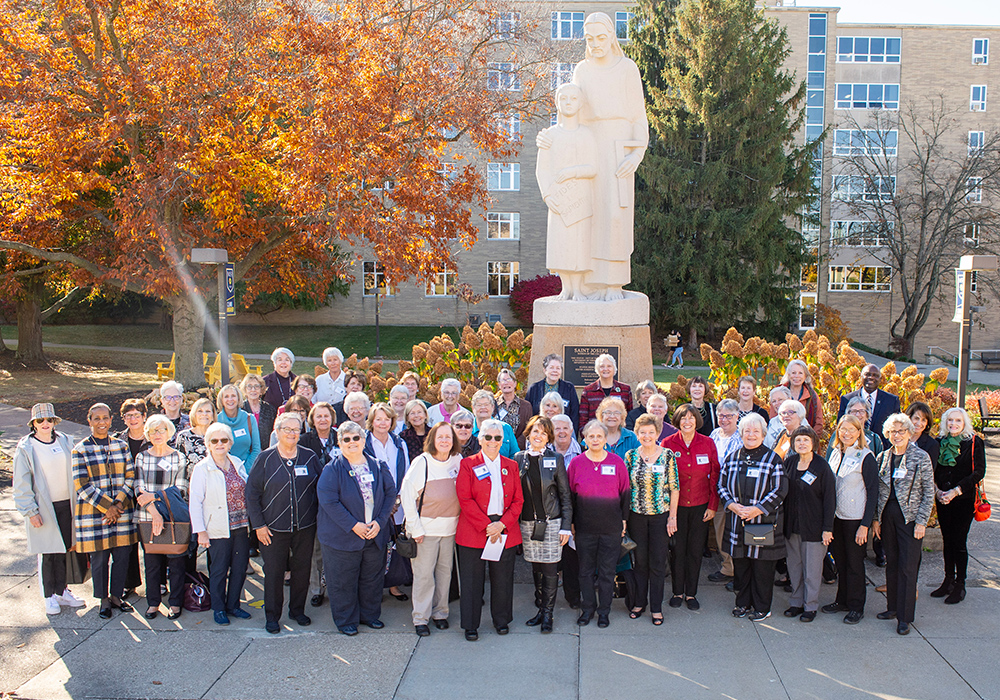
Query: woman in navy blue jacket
x=390 y=450
x=356 y=496
x=553 y=381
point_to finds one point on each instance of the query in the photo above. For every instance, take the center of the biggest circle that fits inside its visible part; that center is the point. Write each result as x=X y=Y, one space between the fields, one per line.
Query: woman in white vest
x=854 y=466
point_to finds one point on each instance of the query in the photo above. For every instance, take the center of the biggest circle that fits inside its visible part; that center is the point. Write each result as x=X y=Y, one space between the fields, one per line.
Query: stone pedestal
x=624 y=323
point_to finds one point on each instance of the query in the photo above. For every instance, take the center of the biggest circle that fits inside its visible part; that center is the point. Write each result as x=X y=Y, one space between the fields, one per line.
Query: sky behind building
x=956 y=12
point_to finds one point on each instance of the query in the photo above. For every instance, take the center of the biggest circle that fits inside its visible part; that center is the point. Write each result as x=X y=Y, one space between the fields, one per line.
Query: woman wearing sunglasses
x=219 y=520
x=44 y=496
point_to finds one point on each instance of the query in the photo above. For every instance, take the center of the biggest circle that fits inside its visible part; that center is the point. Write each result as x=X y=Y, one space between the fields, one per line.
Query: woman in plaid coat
x=104 y=478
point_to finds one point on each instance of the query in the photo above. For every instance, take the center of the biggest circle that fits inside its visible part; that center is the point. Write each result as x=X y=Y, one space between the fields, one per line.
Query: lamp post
x=379 y=291
x=220 y=258
x=963 y=312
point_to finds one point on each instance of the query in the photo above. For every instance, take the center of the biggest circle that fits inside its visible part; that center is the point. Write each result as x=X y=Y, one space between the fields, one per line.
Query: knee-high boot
x=550 y=587
x=539 y=582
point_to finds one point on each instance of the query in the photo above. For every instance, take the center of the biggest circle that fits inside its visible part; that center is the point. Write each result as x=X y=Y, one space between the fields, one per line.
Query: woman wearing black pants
x=961 y=464
x=698 y=469
x=905 y=500
x=652 y=515
x=856 y=472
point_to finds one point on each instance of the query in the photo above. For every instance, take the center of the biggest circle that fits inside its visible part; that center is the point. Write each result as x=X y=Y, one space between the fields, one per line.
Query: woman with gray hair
x=905 y=500
x=551 y=405
x=858 y=408
x=399 y=396
x=643 y=391
x=511 y=409
x=330 y=385
x=752 y=487
x=464 y=424
x=356 y=407
x=483 y=407
x=219 y=521
x=281 y=504
x=961 y=464
x=775 y=398
x=171 y=403
x=799 y=381
x=279 y=382
x=792 y=414
x=657 y=407
x=606 y=386
x=451 y=390
x=552 y=367
x=356 y=496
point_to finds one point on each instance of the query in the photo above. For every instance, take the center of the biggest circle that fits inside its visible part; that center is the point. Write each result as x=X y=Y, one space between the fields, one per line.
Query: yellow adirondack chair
x=165 y=370
x=241 y=368
x=214 y=373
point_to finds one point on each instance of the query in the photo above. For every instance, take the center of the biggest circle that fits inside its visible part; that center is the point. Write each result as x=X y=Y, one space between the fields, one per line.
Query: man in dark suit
x=881 y=404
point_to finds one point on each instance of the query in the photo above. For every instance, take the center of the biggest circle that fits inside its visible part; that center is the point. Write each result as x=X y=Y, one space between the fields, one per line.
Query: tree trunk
x=29 y=320
x=693 y=339
x=189 y=342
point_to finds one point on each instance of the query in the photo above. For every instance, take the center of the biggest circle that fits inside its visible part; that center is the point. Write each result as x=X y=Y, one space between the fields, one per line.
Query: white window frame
x=851 y=278
x=500 y=274
x=372 y=274
x=977 y=141
x=974 y=282
x=446 y=279
x=562 y=73
x=508 y=25
x=854 y=188
x=869 y=57
x=974 y=190
x=622 y=20
x=865 y=142
x=970 y=236
x=510 y=126
x=503 y=226
x=859 y=234
x=503 y=76
x=977 y=98
x=503 y=177
x=803 y=297
x=851 y=101
x=980 y=52
x=567 y=25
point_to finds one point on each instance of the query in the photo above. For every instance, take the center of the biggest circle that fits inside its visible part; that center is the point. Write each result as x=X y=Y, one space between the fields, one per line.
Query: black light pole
x=218 y=257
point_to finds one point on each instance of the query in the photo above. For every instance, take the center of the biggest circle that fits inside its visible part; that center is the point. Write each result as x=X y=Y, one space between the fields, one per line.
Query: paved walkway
x=951 y=652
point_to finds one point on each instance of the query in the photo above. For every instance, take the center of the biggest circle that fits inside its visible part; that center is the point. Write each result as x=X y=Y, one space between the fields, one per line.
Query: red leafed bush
x=972 y=405
x=523 y=295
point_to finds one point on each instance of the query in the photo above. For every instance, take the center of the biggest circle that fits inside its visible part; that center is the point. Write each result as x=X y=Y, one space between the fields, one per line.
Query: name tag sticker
x=899 y=473
x=240 y=432
x=56 y=450
x=481 y=472
x=808 y=477
x=753 y=473
x=549 y=463
x=852 y=463
x=367 y=478
x=163 y=464
x=658 y=469
x=702 y=459
x=301 y=471
x=453 y=472
x=607 y=470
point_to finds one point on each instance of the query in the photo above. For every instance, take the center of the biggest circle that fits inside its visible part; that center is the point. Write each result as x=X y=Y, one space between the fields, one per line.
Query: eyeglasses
x=787 y=414
x=158 y=431
x=899 y=432
x=725 y=416
x=611 y=413
x=219 y=441
x=462 y=426
x=133 y=415
x=43 y=420
x=488 y=438
x=171 y=398
x=350 y=438
x=450 y=393
x=289 y=431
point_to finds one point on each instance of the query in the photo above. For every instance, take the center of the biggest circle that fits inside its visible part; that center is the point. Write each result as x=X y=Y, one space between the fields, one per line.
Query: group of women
x=343 y=479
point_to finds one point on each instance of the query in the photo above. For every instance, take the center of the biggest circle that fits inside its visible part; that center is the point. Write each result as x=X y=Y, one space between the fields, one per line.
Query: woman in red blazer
x=489 y=492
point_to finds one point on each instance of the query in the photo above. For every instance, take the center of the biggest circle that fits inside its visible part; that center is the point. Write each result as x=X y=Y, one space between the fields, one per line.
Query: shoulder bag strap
x=249 y=429
x=427 y=471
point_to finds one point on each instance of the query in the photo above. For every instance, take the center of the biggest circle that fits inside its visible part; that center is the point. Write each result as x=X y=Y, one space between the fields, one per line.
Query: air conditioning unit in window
x=978 y=60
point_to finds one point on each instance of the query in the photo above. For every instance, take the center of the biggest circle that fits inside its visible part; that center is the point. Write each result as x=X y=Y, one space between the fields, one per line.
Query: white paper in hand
x=493 y=550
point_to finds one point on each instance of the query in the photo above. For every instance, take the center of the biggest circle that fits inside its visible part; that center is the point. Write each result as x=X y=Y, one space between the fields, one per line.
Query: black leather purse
x=758 y=535
x=406 y=546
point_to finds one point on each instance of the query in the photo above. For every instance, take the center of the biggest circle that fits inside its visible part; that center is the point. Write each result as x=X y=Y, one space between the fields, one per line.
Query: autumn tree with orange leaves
x=132 y=131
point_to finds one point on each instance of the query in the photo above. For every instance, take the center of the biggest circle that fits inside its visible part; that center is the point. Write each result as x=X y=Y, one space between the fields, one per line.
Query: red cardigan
x=699 y=481
x=592 y=396
x=474 y=499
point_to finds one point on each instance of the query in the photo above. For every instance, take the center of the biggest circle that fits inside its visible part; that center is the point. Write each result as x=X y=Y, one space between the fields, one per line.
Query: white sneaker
x=52 y=605
x=67 y=598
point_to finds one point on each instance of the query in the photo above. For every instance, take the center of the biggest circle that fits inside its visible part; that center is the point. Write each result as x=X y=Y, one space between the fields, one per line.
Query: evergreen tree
x=722 y=180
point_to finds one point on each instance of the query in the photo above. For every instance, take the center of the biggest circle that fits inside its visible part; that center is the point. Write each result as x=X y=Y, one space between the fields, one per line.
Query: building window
x=867 y=49
x=501 y=278
x=508 y=25
x=807 y=311
x=503 y=225
x=447 y=171
x=562 y=73
x=622 y=20
x=567 y=25
x=852 y=188
x=974 y=282
x=977 y=100
x=971 y=235
x=980 y=52
x=977 y=141
x=374 y=277
x=864 y=142
x=858 y=278
x=868 y=96
x=510 y=126
x=860 y=234
x=503 y=177
x=974 y=189
x=502 y=77
x=443 y=284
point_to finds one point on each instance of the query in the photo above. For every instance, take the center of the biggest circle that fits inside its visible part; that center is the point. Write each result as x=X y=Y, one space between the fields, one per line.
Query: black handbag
x=173 y=540
x=758 y=535
x=406 y=546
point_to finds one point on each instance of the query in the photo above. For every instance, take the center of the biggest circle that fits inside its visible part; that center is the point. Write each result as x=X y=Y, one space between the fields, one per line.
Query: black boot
x=549 y=589
x=537 y=619
x=945 y=588
x=957 y=594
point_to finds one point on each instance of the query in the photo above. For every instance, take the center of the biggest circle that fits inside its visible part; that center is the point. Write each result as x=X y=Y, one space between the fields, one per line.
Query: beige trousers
x=432 y=578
